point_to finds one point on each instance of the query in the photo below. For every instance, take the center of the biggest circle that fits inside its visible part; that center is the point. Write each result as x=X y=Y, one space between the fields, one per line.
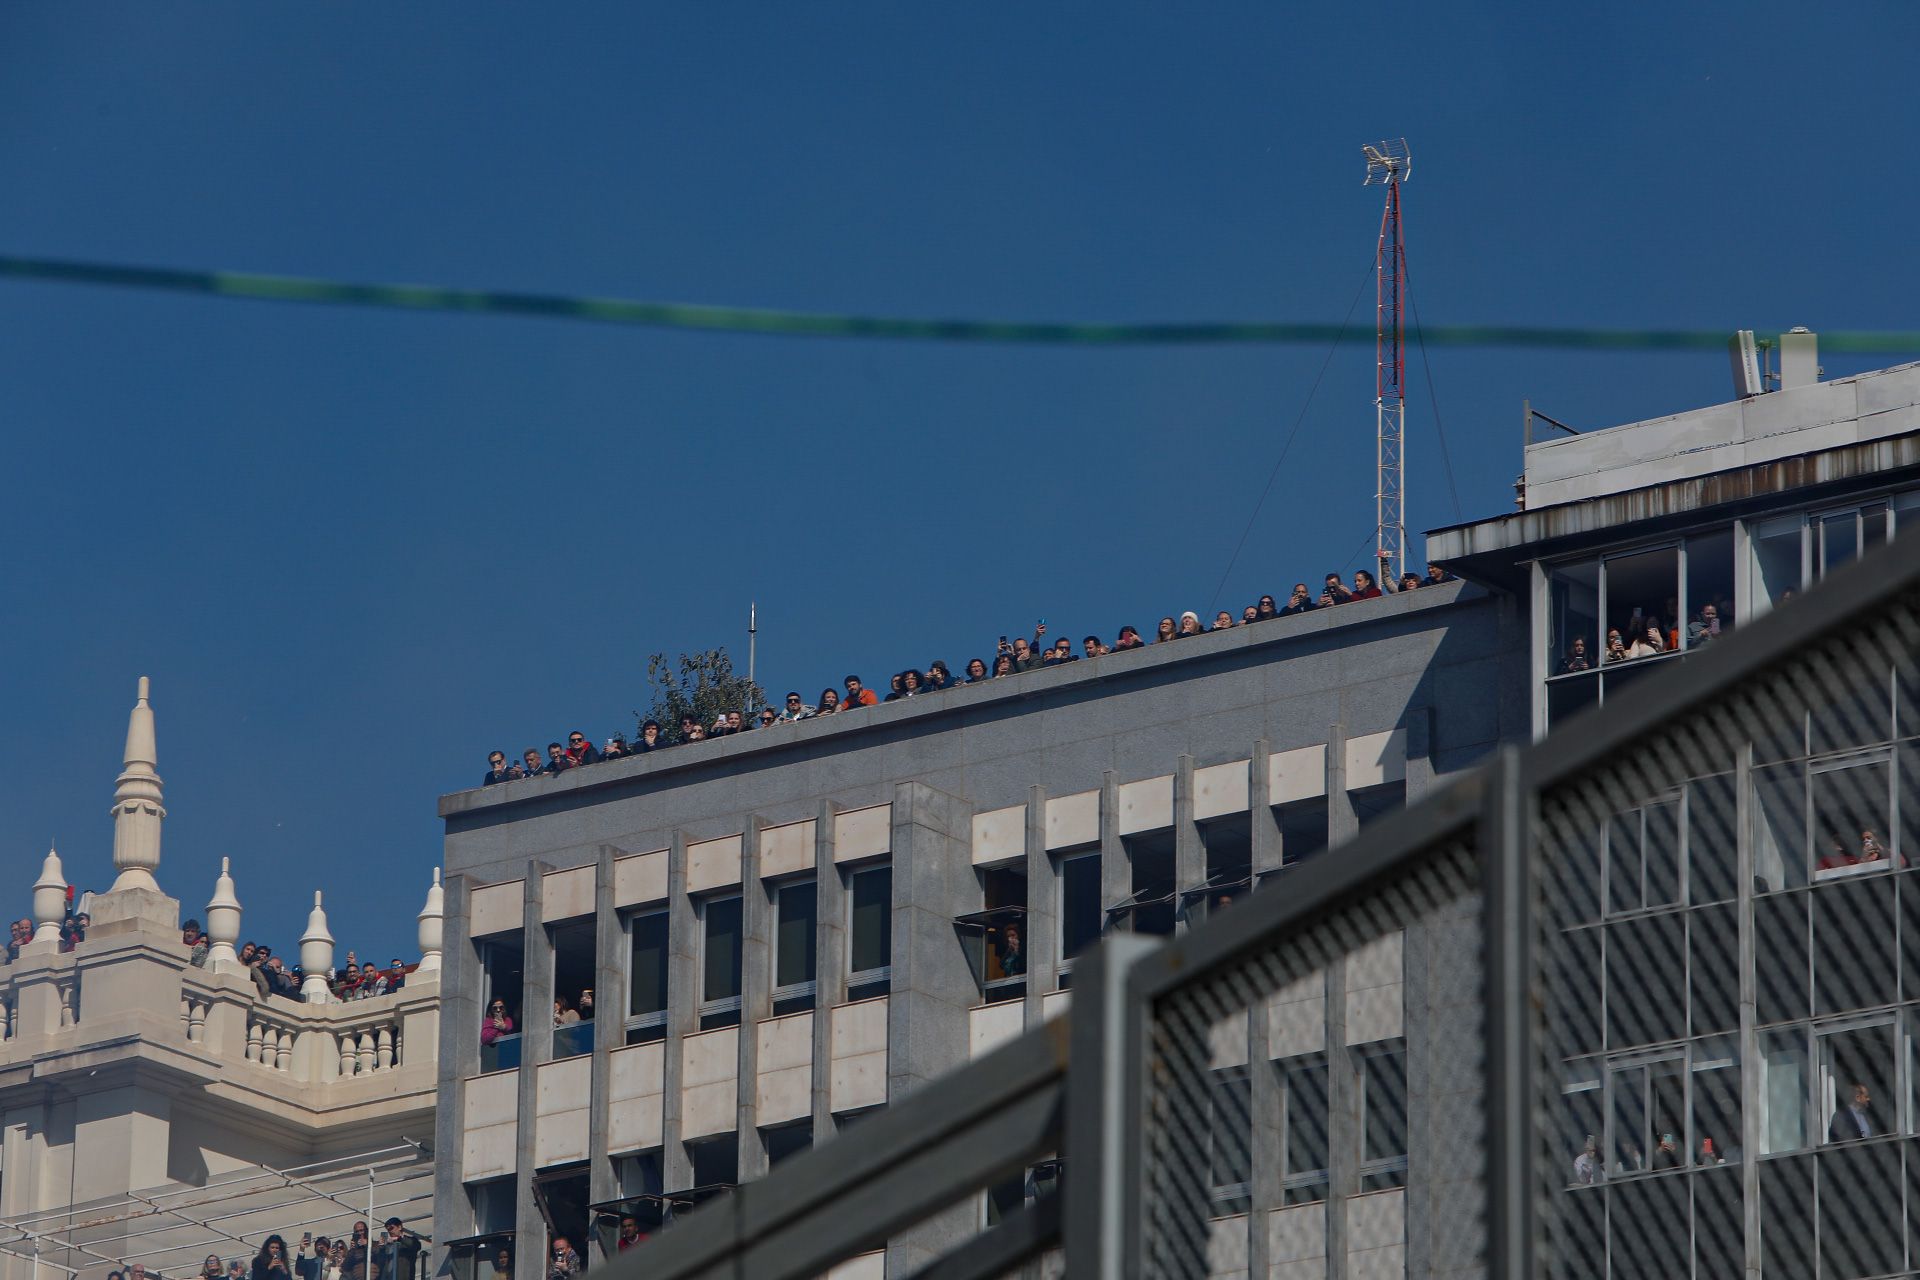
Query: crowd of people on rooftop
x=272 y=976
x=1012 y=657
x=394 y=1255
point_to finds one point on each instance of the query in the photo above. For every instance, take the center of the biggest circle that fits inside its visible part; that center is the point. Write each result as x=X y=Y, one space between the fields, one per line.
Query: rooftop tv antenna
x=1389 y=164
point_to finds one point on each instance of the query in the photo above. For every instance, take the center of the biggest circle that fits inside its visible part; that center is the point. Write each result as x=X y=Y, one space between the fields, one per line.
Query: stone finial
x=432 y=925
x=137 y=811
x=316 y=956
x=49 y=900
x=223 y=924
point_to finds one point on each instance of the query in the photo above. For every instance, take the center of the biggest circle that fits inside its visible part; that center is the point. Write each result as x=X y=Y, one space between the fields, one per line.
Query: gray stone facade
x=1221 y=757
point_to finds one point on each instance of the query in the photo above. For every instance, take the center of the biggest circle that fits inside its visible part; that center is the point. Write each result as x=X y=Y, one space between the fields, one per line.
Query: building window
x=1573 y=618
x=1778 y=560
x=1709 y=589
x=1005 y=1198
x=502 y=961
x=1230 y=1134
x=1647 y=1115
x=1149 y=904
x=1644 y=857
x=716 y=1161
x=1716 y=1102
x=995 y=939
x=786 y=1141
x=1303 y=830
x=647 y=978
x=795 y=926
x=1229 y=846
x=1383 y=1117
x=1783 y=1091
x=1080 y=913
x=870 y=932
x=1304 y=1107
x=720 y=962
x=575 y=961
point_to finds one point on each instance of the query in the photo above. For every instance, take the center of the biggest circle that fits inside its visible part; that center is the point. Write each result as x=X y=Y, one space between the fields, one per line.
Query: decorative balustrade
x=222 y=1014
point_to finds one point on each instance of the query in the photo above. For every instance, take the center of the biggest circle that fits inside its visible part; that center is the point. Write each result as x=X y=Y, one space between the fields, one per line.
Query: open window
x=716 y=1168
x=1080 y=914
x=561 y=1195
x=870 y=931
x=640 y=1209
x=1642 y=603
x=720 y=945
x=1149 y=904
x=502 y=980
x=1229 y=845
x=575 y=961
x=795 y=928
x=647 y=977
x=1303 y=831
x=995 y=939
x=1647 y=1114
x=1370 y=804
x=488 y=1256
x=1778 y=560
x=1709 y=589
x=786 y=1141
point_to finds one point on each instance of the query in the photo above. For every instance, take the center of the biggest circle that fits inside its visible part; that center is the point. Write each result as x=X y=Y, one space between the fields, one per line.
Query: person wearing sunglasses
x=580 y=749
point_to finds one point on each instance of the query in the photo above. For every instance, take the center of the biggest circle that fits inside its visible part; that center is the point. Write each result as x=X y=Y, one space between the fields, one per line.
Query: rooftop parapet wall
x=1724 y=437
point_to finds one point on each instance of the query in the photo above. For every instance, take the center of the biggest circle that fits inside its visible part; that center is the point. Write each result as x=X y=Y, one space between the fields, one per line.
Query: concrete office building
x=155 y=1111
x=789 y=928
x=786 y=929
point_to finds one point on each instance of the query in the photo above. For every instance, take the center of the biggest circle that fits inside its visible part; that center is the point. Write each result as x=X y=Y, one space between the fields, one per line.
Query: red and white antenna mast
x=1389 y=164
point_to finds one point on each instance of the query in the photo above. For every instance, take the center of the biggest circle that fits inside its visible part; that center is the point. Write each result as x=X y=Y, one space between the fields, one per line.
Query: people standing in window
x=1616 y=646
x=496 y=1024
x=1855 y=1120
x=566 y=1263
x=1012 y=956
x=1576 y=658
x=1649 y=641
x=563 y=1012
x=1705 y=626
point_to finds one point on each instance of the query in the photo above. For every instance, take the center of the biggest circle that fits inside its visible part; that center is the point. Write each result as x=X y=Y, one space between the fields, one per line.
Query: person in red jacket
x=858 y=695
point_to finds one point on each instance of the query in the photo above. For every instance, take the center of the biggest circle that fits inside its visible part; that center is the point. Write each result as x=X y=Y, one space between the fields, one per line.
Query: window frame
x=807 y=989
x=1380 y=1167
x=881 y=976
x=640 y=1027
x=722 y=1006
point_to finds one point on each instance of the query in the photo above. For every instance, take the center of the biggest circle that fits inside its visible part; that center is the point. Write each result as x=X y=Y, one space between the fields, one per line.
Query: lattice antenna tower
x=1389 y=164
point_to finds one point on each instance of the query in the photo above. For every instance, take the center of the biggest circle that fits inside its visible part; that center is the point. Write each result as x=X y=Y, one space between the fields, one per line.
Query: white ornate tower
x=137 y=811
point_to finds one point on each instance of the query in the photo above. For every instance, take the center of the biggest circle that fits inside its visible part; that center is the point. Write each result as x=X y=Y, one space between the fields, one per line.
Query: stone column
x=536 y=1047
x=1041 y=938
x=756 y=1001
x=829 y=966
x=933 y=986
x=459 y=1043
x=1189 y=851
x=683 y=1013
x=609 y=1024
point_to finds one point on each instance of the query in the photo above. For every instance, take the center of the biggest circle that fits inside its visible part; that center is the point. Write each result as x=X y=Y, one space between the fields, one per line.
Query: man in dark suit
x=1851 y=1123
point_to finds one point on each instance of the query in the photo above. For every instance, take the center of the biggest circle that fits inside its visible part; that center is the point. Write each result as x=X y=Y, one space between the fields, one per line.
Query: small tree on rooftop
x=702 y=683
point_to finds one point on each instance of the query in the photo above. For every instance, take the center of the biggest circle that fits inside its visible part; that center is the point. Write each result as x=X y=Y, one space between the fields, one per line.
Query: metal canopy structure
x=172 y=1230
x=1389 y=164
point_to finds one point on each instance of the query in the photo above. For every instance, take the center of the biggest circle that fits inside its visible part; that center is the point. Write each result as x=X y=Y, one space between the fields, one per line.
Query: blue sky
x=356 y=549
